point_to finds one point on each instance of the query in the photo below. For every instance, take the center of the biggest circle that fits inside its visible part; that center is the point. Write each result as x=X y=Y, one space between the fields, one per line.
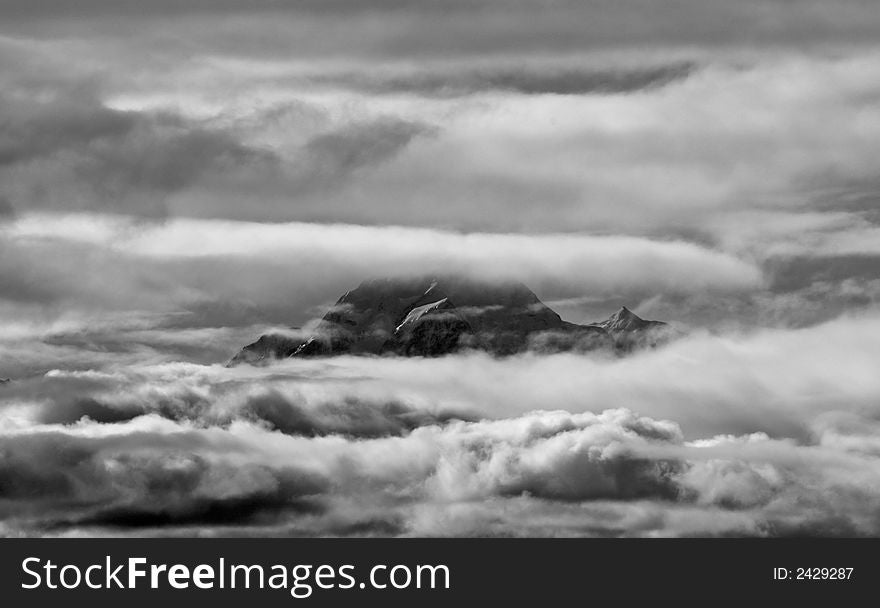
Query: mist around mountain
x=435 y=316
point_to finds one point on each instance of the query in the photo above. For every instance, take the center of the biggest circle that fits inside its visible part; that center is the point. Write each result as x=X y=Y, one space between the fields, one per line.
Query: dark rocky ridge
x=441 y=315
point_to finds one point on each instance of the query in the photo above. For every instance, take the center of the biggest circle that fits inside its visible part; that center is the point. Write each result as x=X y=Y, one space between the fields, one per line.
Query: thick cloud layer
x=754 y=435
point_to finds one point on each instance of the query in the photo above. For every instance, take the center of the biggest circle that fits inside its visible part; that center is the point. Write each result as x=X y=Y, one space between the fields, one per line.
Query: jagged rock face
x=431 y=316
x=365 y=320
x=431 y=330
x=266 y=348
x=441 y=315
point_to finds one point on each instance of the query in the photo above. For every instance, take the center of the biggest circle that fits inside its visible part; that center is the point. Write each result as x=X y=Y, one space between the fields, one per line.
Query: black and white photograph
x=440 y=269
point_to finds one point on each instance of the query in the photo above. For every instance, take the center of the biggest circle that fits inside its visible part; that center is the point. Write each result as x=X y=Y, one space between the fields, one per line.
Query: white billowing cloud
x=540 y=473
x=573 y=261
x=750 y=434
x=768 y=380
x=741 y=133
x=768 y=131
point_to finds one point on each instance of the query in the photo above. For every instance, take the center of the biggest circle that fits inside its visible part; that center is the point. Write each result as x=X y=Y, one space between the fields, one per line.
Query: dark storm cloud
x=74 y=153
x=855 y=195
x=262 y=508
x=797 y=298
x=135 y=8
x=6 y=208
x=286 y=413
x=102 y=483
x=486 y=25
x=794 y=273
x=70 y=411
x=527 y=80
x=352 y=416
x=67 y=399
x=335 y=154
x=32 y=129
x=65 y=280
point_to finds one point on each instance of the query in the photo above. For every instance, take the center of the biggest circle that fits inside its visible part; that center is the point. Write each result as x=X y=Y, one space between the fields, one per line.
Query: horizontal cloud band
x=575 y=262
x=752 y=434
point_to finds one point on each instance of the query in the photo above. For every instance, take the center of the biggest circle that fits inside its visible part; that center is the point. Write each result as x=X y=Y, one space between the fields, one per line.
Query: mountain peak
x=629 y=330
x=625 y=313
x=624 y=320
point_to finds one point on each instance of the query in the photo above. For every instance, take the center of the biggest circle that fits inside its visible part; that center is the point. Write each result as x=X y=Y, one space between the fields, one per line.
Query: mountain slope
x=432 y=316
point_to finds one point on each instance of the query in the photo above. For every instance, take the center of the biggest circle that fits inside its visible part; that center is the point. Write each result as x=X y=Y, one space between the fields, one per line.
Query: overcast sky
x=702 y=162
x=179 y=176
